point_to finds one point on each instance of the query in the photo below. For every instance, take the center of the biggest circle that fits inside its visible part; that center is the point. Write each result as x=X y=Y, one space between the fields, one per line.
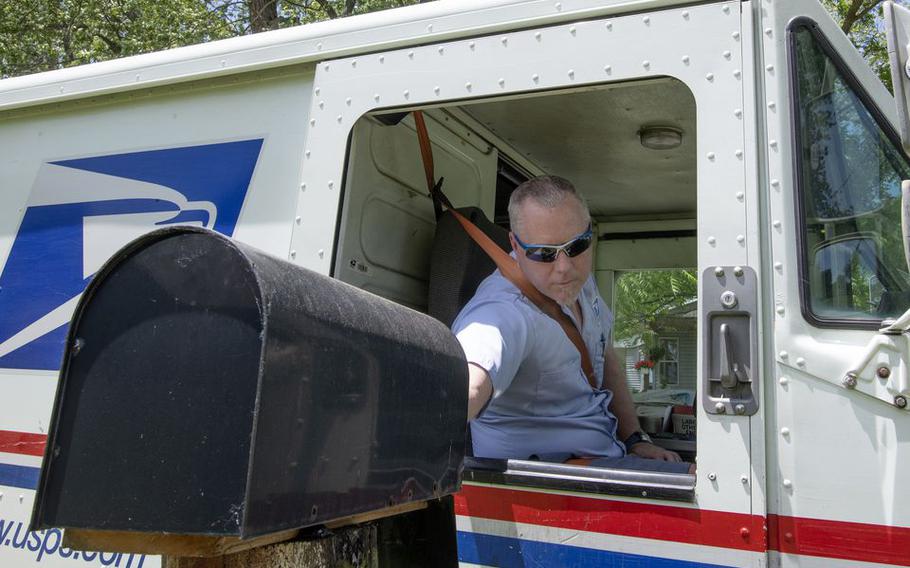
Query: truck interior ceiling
x=628 y=147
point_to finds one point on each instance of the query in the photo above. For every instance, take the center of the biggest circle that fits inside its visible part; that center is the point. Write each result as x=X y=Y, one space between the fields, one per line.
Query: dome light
x=660 y=137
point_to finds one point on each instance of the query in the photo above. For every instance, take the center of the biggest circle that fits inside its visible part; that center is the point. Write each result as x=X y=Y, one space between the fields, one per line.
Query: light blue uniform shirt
x=542 y=403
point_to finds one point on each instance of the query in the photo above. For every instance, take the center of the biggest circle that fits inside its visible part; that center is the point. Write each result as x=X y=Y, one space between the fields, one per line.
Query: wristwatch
x=637 y=437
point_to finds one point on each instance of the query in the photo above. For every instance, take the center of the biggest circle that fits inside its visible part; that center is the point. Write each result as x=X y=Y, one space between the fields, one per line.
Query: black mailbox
x=210 y=389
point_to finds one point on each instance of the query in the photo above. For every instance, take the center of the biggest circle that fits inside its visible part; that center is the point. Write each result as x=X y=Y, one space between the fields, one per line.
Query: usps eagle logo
x=81 y=211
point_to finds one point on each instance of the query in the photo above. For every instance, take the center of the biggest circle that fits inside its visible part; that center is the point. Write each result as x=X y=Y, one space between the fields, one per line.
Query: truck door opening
x=628 y=147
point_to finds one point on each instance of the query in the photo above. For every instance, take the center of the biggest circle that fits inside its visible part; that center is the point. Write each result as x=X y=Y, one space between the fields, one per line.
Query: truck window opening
x=643 y=202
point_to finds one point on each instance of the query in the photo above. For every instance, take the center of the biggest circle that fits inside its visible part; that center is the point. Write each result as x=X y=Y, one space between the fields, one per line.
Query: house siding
x=633 y=377
x=688 y=355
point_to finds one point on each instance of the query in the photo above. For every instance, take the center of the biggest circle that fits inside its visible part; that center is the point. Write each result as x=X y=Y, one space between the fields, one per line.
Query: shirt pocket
x=561 y=392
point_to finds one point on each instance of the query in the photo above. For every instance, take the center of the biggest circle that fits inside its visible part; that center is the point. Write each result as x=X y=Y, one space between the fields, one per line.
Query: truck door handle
x=727 y=374
x=730 y=340
x=731 y=375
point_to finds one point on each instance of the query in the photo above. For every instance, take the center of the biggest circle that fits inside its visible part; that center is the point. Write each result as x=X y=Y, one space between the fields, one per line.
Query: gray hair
x=548 y=191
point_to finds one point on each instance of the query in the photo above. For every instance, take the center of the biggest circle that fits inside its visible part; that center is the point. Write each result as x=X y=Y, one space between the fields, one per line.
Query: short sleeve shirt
x=542 y=402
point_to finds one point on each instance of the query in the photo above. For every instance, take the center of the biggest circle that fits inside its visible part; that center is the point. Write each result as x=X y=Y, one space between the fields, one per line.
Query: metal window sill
x=597 y=480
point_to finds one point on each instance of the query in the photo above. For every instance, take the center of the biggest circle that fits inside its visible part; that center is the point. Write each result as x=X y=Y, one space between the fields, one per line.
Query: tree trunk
x=263 y=15
x=350 y=547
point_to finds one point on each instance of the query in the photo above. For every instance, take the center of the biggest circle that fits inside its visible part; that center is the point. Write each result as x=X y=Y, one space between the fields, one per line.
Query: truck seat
x=457 y=264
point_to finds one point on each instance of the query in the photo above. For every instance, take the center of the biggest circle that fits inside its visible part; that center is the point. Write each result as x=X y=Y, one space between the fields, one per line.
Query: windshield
x=850 y=176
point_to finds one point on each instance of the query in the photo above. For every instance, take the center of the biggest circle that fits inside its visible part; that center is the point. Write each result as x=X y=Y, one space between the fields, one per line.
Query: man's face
x=563 y=278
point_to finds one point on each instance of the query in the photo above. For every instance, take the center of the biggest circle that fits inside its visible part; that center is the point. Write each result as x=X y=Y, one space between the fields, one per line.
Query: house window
x=653 y=307
x=668 y=364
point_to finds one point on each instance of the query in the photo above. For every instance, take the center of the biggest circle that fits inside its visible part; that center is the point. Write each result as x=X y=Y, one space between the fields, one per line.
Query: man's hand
x=654 y=452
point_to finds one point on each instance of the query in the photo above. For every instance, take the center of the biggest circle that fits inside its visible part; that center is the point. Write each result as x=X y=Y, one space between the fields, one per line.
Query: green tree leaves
x=41 y=35
x=643 y=298
x=861 y=20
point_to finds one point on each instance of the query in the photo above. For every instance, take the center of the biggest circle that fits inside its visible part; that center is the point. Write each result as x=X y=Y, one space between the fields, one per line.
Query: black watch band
x=638 y=437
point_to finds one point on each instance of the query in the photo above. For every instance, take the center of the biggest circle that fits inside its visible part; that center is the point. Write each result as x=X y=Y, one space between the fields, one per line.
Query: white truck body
x=271 y=139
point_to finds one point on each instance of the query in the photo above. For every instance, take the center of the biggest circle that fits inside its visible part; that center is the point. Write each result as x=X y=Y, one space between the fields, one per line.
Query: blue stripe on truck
x=19 y=476
x=507 y=552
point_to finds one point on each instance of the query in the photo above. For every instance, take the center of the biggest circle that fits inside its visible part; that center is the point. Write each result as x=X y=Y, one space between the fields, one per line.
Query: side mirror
x=850 y=270
x=844 y=258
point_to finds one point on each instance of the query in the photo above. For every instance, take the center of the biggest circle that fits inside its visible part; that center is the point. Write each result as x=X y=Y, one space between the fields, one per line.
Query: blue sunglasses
x=548 y=253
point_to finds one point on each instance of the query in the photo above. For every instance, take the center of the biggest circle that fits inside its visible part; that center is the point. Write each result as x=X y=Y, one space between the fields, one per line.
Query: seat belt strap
x=505 y=263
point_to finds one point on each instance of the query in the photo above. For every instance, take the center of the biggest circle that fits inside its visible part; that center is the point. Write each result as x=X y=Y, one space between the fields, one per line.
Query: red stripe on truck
x=639 y=520
x=24 y=443
x=880 y=544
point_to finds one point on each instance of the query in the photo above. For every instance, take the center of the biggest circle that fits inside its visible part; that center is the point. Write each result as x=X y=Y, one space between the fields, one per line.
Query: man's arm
x=623 y=408
x=480 y=389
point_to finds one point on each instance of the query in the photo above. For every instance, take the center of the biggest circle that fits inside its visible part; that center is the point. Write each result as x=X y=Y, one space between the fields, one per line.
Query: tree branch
x=114 y=46
x=856 y=12
x=867 y=9
x=327 y=8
